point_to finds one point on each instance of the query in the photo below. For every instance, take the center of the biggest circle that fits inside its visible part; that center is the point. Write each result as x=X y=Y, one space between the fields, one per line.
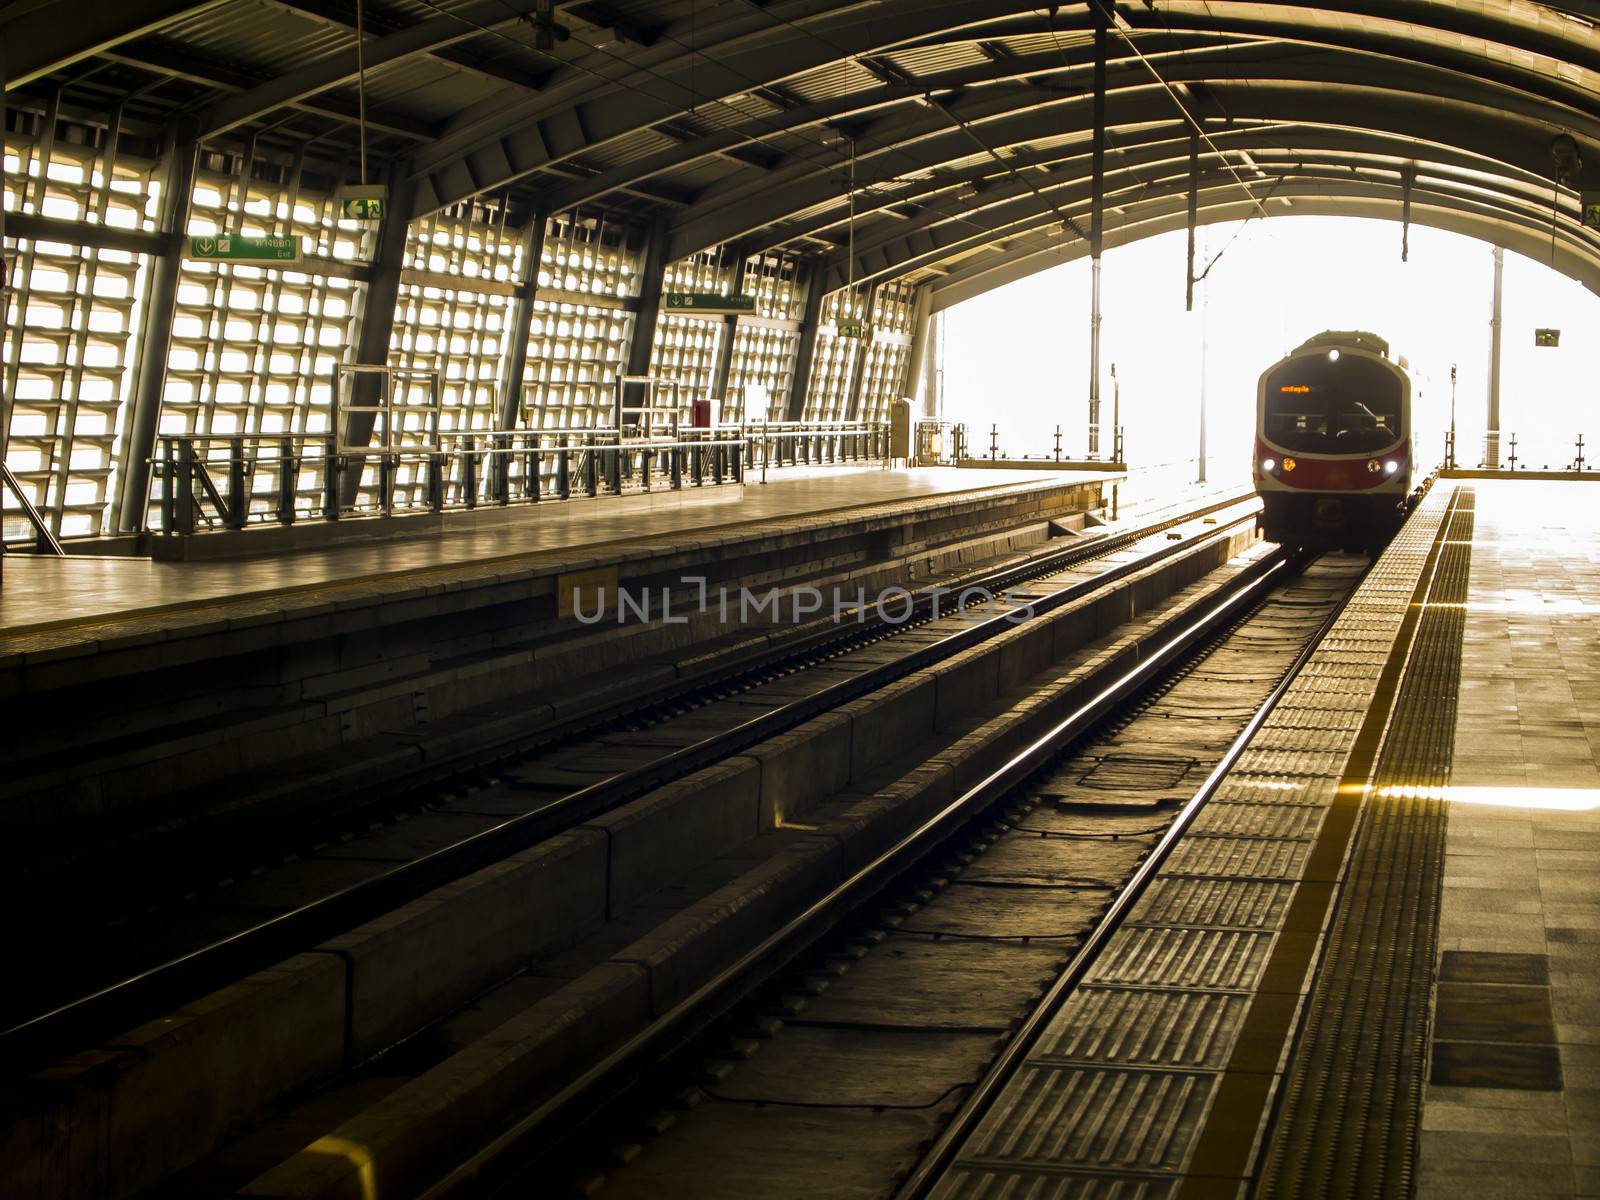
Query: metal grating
x=1197 y=966
x=1349 y=1123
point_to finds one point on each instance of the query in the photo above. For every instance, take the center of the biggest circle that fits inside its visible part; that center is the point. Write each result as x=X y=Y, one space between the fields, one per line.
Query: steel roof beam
x=975 y=279
x=1030 y=225
x=915 y=29
x=47 y=38
x=1415 y=103
x=427 y=36
x=161 y=60
x=748 y=49
x=388 y=22
x=948 y=218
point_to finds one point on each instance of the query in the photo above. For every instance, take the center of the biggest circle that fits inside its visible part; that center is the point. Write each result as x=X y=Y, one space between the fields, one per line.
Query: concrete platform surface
x=1519 y=928
x=1402 y=879
x=50 y=593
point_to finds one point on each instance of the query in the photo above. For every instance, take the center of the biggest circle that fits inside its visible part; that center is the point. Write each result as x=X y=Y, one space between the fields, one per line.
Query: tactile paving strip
x=1167 y=1001
x=1349 y=1120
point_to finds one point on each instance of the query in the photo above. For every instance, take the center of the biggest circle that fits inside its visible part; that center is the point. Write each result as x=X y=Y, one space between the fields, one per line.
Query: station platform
x=45 y=599
x=138 y=693
x=1371 y=967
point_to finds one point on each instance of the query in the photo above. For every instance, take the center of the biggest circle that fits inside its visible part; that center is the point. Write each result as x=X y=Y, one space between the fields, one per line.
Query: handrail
x=40 y=526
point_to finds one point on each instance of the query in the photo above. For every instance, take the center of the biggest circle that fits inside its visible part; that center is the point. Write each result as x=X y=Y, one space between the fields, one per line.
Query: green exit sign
x=358 y=209
x=851 y=329
x=227 y=247
x=363 y=201
x=1547 y=337
x=1589 y=207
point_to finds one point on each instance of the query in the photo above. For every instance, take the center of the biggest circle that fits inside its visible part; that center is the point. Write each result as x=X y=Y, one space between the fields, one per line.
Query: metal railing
x=45 y=540
x=215 y=482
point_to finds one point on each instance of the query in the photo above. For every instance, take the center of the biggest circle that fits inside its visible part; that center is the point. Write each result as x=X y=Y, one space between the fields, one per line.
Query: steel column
x=644 y=325
x=1405 y=213
x=179 y=152
x=800 y=384
x=377 y=319
x=920 y=365
x=1491 y=431
x=1097 y=217
x=719 y=373
x=1194 y=213
x=520 y=322
x=852 y=407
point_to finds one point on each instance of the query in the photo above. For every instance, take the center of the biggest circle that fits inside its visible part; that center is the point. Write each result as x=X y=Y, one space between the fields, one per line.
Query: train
x=1334 y=456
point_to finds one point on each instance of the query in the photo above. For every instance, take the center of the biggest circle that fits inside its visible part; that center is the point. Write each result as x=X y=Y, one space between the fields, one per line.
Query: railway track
x=854 y=1047
x=143 y=963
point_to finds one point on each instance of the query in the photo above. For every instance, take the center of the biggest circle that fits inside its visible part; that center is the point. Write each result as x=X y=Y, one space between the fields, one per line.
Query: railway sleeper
x=124 y=1116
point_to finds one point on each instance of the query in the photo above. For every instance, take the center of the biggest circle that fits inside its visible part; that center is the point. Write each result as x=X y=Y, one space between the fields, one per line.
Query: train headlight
x=1288 y=464
x=1389 y=468
x=1269 y=465
x=1333 y=356
x=1372 y=465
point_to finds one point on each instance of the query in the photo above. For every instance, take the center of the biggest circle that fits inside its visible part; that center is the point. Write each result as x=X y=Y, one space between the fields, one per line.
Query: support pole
x=644 y=325
x=730 y=330
x=1491 y=437
x=178 y=154
x=852 y=409
x=520 y=322
x=1405 y=213
x=1097 y=226
x=1194 y=213
x=809 y=320
x=1205 y=317
x=377 y=322
x=921 y=367
x=5 y=271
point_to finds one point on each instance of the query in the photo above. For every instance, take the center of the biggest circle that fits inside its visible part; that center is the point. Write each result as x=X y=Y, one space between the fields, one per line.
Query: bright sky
x=1019 y=356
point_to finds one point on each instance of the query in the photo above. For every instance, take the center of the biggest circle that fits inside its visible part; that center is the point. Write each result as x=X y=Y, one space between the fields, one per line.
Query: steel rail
x=981 y=1098
x=162 y=987
x=557 y=1117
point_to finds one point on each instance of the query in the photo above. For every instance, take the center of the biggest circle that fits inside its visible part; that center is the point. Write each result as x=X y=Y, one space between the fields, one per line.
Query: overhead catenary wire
x=775 y=130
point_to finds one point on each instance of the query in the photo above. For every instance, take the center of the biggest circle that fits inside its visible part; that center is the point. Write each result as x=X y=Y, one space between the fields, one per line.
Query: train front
x=1333 y=459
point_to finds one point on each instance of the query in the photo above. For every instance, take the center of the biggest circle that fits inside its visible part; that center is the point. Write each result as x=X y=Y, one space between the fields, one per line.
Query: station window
x=888 y=351
x=686 y=348
x=72 y=316
x=764 y=354
x=581 y=326
x=254 y=346
x=452 y=320
x=833 y=358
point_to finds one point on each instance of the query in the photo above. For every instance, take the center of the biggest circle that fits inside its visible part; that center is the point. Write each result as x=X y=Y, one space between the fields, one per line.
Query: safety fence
x=201 y=483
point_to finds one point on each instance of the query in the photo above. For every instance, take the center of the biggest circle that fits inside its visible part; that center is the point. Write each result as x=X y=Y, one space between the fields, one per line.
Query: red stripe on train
x=1313 y=474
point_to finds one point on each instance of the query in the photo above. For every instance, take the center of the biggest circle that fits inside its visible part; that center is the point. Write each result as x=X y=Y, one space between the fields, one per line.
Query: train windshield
x=1348 y=406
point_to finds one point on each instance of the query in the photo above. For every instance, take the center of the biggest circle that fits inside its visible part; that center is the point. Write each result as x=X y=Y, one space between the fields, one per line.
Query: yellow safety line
x=1222 y=1153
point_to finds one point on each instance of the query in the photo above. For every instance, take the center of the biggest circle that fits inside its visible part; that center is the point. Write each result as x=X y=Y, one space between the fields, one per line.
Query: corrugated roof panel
x=1028 y=44
x=257 y=37
x=627 y=148
x=426 y=88
x=835 y=79
x=929 y=60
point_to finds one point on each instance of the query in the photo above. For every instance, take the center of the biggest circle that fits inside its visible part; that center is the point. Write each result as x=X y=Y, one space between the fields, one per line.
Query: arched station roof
x=946 y=142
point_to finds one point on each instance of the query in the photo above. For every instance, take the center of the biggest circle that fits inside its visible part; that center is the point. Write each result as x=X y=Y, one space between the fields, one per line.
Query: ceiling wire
x=1047 y=245
x=776 y=130
x=361 y=85
x=1125 y=30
